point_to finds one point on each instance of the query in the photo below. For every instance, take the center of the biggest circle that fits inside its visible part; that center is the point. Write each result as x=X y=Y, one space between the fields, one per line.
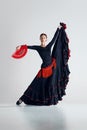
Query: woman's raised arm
x=54 y=37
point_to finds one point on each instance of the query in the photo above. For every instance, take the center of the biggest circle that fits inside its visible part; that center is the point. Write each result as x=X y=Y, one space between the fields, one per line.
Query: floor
x=59 y=117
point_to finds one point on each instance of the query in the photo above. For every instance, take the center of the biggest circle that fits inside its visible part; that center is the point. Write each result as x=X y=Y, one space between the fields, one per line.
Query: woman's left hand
x=59 y=26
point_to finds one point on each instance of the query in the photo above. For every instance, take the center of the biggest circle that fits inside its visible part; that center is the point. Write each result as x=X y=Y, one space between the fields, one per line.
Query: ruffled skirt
x=46 y=90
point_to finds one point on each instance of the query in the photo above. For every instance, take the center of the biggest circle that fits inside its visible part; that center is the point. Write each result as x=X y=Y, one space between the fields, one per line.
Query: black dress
x=49 y=90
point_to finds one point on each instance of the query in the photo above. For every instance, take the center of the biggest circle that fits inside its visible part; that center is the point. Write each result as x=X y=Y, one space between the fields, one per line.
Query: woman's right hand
x=18 y=47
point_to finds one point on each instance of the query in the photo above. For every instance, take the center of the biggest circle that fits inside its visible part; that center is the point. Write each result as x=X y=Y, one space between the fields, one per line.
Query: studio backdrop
x=21 y=22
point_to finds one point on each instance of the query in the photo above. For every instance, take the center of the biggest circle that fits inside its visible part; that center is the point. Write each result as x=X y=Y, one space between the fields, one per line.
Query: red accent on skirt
x=69 y=53
x=47 y=71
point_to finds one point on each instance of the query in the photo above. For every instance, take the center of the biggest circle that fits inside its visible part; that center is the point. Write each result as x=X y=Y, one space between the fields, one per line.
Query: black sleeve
x=54 y=38
x=34 y=47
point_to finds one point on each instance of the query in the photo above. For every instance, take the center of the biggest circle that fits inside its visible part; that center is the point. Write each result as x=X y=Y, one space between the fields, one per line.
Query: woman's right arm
x=34 y=47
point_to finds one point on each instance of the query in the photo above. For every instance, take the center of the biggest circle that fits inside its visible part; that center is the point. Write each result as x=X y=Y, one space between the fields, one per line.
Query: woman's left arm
x=54 y=37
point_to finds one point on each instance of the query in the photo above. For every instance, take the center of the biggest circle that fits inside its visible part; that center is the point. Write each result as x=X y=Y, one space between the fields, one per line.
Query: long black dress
x=48 y=91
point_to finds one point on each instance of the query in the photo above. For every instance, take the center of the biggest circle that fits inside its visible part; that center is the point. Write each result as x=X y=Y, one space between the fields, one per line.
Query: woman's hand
x=18 y=47
x=59 y=26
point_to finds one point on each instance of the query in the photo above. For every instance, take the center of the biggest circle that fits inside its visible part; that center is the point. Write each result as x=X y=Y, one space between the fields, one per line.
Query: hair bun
x=63 y=25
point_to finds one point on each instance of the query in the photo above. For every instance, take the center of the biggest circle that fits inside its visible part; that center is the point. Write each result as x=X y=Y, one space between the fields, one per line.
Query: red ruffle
x=63 y=25
x=69 y=53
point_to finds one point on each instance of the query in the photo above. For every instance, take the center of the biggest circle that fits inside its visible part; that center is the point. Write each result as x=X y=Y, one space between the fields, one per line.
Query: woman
x=45 y=88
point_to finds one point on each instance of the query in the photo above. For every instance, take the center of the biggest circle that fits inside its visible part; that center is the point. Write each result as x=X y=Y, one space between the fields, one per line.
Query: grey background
x=22 y=21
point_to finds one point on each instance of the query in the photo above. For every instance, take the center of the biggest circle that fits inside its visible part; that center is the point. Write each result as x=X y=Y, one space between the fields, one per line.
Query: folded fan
x=19 y=53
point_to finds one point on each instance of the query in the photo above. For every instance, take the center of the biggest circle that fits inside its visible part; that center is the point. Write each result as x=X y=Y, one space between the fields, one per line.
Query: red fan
x=19 y=53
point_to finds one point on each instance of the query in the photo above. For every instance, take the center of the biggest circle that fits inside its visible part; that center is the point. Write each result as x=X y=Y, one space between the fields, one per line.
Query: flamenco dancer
x=48 y=86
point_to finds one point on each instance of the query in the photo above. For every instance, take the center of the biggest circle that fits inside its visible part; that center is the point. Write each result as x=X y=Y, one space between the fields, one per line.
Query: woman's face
x=43 y=39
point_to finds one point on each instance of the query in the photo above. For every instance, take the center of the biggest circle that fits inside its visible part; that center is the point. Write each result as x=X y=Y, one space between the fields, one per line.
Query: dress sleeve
x=34 y=47
x=54 y=38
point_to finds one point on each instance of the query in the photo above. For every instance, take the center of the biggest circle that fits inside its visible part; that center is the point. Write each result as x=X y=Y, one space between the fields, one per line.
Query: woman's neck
x=43 y=44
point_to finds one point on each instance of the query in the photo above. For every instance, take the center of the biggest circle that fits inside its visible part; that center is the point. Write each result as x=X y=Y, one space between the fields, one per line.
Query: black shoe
x=19 y=102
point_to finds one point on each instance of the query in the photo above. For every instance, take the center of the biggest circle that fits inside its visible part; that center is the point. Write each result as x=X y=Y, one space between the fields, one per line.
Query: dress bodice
x=45 y=52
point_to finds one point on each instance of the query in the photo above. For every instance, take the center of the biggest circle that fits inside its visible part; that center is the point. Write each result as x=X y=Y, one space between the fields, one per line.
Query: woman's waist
x=47 y=71
x=46 y=63
x=50 y=64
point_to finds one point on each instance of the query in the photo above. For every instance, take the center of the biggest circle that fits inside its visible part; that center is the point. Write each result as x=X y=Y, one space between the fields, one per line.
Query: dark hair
x=43 y=34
